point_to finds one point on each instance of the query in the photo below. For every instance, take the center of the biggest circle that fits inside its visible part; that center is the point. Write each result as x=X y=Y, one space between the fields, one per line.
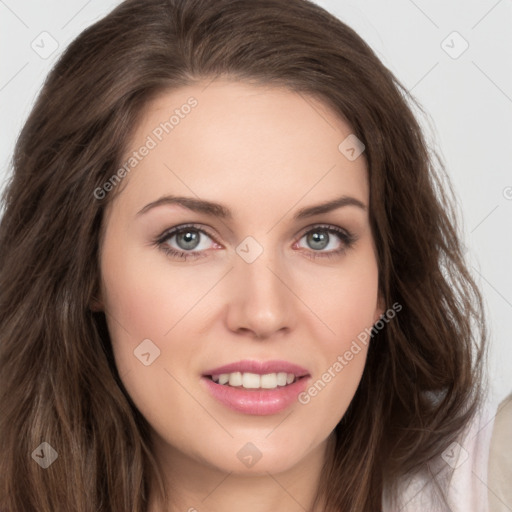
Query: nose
x=261 y=301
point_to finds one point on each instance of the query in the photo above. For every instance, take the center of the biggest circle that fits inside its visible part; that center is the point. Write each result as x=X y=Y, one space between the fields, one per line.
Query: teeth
x=235 y=379
x=254 y=380
x=224 y=378
x=251 y=380
x=269 y=381
x=281 y=379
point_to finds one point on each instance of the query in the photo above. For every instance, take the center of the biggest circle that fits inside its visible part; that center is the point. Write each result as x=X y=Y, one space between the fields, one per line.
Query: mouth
x=257 y=388
x=248 y=380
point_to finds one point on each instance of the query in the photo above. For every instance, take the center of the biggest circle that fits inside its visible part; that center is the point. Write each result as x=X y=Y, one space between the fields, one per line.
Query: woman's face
x=274 y=282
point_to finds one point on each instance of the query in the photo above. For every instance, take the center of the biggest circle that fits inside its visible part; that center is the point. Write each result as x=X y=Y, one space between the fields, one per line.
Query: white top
x=459 y=474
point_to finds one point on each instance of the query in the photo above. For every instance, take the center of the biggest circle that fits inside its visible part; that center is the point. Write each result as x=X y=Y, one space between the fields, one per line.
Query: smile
x=255 y=387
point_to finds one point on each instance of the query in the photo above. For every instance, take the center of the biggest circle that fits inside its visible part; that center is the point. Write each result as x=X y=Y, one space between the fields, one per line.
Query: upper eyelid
x=323 y=225
x=177 y=229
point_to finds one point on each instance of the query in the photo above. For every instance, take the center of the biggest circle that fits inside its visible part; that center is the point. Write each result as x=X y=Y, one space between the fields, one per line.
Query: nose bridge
x=262 y=302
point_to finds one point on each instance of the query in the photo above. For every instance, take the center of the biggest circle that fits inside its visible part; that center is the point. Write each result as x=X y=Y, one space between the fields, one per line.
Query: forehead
x=234 y=140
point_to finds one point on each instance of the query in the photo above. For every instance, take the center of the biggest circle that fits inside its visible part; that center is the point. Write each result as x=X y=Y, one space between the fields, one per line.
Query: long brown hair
x=58 y=379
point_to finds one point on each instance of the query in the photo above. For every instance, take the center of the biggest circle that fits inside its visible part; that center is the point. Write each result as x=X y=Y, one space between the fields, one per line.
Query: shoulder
x=456 y=481
x=500 y=460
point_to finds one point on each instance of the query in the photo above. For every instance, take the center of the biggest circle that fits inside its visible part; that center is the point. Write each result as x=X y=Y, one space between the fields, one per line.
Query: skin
x=264 y=153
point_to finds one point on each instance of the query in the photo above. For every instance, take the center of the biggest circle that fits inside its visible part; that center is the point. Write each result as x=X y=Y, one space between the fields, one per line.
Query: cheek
x=356 y=307
x=141 y=296
x=348 y=306
x=145 y=301
x=135 y=307
x=144 y=310
x=347 y=302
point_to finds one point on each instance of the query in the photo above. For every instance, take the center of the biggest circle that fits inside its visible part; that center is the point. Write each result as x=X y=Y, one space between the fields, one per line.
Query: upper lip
x=259 y=367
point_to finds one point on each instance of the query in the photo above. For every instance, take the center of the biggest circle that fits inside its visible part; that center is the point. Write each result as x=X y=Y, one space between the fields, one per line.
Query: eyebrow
x=221 y=211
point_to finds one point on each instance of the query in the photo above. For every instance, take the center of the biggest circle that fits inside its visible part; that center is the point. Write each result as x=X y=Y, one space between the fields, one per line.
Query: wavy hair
x=58 y=380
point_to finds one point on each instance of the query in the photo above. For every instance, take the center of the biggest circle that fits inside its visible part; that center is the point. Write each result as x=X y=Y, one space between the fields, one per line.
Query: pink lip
x=259 y=367
x=259 y=402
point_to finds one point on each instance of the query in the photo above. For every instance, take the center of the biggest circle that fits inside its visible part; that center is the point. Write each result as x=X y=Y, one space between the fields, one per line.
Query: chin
x=243 y=457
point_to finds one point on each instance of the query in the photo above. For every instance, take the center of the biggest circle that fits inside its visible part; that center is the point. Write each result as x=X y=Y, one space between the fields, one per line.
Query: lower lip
x=261 y=402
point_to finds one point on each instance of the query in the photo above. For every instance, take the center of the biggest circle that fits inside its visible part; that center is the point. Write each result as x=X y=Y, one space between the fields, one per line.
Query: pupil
x=188 y=240
x=318 y=239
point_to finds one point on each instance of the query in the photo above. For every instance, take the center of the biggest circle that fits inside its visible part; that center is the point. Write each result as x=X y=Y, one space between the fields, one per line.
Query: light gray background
x=468 y=100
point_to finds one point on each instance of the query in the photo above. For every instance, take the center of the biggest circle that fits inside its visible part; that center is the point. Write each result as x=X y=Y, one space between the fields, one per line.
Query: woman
x=231 y=275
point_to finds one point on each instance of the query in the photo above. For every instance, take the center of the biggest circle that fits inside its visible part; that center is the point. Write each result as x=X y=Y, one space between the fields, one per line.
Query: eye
x=190 y=241
x=185 y=241
x=326 y=241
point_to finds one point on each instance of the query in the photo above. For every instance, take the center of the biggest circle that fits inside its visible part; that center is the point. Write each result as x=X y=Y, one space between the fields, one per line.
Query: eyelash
x=347 y=239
